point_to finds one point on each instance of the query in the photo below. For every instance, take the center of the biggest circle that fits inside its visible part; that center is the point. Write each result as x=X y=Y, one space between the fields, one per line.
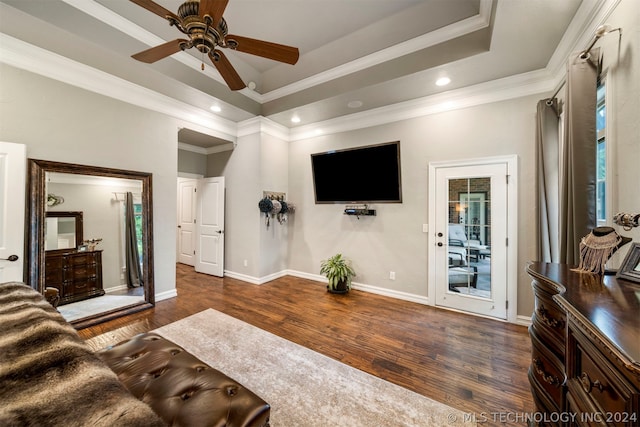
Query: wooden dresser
x=77 y=275
x=585 y=335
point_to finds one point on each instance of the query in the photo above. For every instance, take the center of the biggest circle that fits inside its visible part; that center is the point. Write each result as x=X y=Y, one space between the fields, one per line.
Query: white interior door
x=13 y=161
x=210 y=226
x=186 y=220
x=470 y=220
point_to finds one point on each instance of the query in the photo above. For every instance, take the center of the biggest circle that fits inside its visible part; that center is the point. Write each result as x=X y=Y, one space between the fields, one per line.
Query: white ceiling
x=377 y=52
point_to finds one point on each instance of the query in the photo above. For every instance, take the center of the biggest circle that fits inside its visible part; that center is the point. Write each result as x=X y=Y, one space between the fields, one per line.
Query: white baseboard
x=116 y=288
x=255 y=280
x=366 y=288
x=523 y=320
x=166 y=295
x=420 y=299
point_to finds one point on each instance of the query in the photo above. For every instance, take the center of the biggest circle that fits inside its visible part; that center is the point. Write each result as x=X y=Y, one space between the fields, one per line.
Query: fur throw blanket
x=50 y=377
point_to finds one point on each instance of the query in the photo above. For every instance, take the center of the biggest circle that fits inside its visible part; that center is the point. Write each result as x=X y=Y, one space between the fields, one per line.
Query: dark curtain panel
x=131 y=245
x=578 y=184
x=547 y=163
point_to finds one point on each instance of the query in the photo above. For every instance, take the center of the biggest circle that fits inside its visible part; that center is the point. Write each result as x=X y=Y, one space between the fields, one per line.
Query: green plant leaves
x=337 y=269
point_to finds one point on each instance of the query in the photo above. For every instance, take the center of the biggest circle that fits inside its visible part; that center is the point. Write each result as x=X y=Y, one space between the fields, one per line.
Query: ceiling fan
x=202 y=22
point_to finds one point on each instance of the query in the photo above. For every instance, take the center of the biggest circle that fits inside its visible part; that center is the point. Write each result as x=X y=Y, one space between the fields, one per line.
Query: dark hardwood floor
x=473 y=364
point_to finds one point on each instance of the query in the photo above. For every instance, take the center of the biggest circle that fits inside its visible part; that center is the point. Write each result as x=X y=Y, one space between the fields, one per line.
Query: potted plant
x=338 y=271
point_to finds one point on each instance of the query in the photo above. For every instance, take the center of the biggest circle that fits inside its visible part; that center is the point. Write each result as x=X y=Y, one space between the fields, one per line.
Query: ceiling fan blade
x=155 y=8
x=156 y=53
x=213 y=8
x=275 y=51
x=228 y=73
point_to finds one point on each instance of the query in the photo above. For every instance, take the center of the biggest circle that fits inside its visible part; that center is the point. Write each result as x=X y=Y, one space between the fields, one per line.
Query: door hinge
x=506 y=303
x=194 y=220
x=506 y=241
x=195 y=190
x=507 y=178
x=194 y=252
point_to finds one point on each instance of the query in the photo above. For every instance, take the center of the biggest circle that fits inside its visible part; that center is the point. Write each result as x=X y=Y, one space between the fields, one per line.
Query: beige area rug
x=303 y=387
x=118 y=335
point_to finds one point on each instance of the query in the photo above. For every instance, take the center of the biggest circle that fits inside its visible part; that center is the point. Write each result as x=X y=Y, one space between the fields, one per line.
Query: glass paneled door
x=471 y=234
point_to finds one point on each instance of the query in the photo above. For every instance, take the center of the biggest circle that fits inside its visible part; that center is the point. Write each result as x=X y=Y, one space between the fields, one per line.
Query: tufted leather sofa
x=180 y=388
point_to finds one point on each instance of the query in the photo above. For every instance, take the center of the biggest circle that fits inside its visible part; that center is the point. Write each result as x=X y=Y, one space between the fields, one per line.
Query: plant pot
x=341 y=288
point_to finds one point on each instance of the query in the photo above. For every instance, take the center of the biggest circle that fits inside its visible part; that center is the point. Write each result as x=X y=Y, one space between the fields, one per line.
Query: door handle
x=439 y=243
x=179 y=226
x=219 y=232
x=11 y=258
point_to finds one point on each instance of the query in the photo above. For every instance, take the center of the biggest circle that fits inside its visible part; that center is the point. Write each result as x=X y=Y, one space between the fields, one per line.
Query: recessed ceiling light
x=295 y=119
x=354 y=104
x=215 y=108
x=443 y=81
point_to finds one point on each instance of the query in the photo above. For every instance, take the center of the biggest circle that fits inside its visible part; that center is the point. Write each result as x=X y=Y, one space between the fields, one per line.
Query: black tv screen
x=358 y=175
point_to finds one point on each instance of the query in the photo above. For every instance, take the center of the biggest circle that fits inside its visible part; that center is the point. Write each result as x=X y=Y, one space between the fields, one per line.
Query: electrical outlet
x=246 y=263
x=425 y=228
x=392 y=275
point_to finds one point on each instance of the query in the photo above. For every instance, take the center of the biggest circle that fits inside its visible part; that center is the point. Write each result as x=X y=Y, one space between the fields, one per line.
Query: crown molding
x=474 y=23
x=424 y=41
x=211 y=150
x=494 y=91
x=590 y=15
x=34 y=59
x=264 y=125
x=191 y=148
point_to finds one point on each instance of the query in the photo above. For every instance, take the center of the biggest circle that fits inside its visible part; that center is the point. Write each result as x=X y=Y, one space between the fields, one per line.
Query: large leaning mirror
x=90 y=236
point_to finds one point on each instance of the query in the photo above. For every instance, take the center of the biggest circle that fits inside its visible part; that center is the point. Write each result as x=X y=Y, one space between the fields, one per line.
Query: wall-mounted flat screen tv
x=358 y=175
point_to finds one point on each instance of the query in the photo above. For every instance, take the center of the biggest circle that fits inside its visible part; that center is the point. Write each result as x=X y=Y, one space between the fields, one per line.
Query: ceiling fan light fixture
x=354 y=104
x=295 y=119
x=202 y=22
x=215 y=108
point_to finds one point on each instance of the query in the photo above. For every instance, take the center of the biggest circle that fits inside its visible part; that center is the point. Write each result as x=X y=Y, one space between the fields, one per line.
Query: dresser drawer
x=82 y=258
x=82 y=272
x=53 y=263
x=595 y=385
x=547 y=370
x=549 y=319
x=52 y=276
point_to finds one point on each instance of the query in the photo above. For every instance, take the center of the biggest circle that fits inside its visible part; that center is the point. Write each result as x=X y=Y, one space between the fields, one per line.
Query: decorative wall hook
x=273 y=204
x=53 y=200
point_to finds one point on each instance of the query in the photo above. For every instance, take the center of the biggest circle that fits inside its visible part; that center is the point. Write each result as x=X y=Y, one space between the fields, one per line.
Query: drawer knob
x=587 y=384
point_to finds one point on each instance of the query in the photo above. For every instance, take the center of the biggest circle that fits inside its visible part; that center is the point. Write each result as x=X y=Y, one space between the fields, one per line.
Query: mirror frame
x=79 y=226
x=34 y=275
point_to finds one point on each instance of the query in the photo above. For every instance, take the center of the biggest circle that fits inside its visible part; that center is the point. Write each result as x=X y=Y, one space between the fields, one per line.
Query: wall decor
x=630 y=268
x=273 y=204
x=53 y=200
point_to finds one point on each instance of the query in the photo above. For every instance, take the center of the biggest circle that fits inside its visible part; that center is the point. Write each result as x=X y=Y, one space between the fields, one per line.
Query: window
x=601 y=155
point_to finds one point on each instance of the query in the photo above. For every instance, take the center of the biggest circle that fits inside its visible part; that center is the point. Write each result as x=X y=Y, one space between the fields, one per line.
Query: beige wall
x=393 y=240
x=60 y=122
